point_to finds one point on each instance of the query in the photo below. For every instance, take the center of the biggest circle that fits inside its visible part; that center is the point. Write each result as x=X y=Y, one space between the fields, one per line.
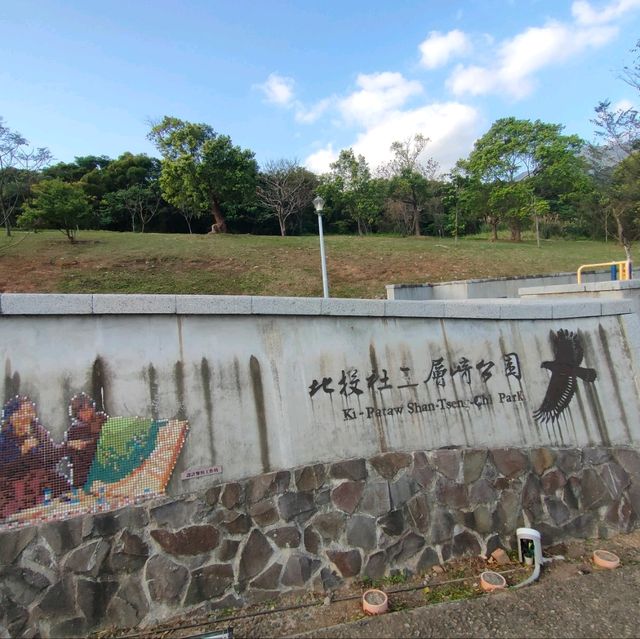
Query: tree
x=202 y=170
x=411 y=183
x=351 y=188
x=519 y=151
x=57 y=205
x=18 y=167
x=285 y=188
x=141 y=203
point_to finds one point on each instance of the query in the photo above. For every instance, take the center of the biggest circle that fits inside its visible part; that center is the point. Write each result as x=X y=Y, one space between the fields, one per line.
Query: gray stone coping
x=491 y=309
x=590 y=287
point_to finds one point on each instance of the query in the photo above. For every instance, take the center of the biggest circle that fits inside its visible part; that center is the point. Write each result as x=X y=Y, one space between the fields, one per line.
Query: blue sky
x=305 y=79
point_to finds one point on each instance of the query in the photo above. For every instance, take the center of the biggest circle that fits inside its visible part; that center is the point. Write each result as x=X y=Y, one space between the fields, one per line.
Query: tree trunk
x=494 y=230
x=416 y=221
x=7 y=226
x=219 y=225
x=283 y=227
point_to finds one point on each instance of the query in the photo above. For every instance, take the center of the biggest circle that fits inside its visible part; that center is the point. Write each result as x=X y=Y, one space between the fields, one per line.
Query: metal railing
x=623 y=269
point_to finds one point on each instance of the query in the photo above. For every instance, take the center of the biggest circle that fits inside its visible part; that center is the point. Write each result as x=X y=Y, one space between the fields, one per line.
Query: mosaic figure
x=83 y=436
x=28 y=459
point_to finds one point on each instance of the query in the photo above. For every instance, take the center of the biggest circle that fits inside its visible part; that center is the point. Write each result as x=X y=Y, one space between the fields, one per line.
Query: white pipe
x=325 y=279
x=531 y=535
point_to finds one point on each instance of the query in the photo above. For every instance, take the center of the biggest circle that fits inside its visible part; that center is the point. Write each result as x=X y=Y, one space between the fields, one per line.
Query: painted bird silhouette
x=564 y=371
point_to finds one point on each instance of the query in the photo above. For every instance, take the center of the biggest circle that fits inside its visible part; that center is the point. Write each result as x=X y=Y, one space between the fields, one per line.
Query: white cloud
x=278 y=89
x=438 y=48
x=520 y=57
x=585 y=14
x=310 y=115
x=378 y=94
x=623 y=105
x=452 y=128
x=319 y=161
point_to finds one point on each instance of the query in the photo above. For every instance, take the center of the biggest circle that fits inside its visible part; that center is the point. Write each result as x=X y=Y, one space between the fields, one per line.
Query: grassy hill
x=106 y=262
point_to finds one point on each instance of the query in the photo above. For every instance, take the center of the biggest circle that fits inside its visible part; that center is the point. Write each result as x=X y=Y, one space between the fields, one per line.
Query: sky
x=304 y=79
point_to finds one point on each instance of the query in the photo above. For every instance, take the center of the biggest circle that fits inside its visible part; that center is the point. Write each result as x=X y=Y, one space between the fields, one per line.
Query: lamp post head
x=318 y=204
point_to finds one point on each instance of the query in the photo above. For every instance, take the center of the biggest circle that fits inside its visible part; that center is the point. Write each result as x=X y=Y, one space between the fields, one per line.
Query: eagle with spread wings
x=565 y=368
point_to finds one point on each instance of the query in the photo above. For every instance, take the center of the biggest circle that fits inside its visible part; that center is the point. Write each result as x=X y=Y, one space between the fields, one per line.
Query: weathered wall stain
x=205 y=376
x=178 y=378
x=258 y=397
x=99 y=384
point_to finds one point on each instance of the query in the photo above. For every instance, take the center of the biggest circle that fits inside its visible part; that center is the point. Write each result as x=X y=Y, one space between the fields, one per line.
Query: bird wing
x=567 y=347
x=559 y=393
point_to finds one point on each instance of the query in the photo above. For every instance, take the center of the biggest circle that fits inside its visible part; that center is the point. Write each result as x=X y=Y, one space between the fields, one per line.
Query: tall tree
x=518 y=151
x=285 y=188
x=411 y=178
x=18 y=167
x=201 y=169
x=57 y=205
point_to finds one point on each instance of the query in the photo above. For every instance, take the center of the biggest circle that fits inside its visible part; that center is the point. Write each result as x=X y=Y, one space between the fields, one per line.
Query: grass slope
x=107 y=262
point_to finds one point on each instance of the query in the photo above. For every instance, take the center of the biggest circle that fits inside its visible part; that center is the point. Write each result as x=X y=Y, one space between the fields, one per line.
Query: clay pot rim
x=375 y=609
x=487 y=586
x=604 y=562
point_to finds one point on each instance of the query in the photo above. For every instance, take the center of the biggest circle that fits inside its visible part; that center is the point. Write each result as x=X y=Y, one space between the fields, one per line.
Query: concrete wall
x=274 y=383
x=485 y=288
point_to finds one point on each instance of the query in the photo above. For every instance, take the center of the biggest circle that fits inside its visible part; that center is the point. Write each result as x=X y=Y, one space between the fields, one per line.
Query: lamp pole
x=318 y=204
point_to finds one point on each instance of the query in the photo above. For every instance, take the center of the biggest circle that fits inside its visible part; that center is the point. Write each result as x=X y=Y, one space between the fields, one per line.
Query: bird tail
x=587 y=374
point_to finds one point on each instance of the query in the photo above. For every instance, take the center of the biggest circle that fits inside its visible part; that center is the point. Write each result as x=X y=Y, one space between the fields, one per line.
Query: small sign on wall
x=200 y=471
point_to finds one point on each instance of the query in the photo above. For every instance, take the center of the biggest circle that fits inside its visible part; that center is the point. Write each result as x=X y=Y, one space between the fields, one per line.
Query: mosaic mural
x=102 y=463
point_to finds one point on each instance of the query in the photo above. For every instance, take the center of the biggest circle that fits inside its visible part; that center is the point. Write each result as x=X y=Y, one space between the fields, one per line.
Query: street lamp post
x=318 y=204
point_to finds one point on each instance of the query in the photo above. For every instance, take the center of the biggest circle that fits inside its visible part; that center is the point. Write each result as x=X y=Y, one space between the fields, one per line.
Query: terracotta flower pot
x=605 y=559
x=490 y=581
x=375 y=602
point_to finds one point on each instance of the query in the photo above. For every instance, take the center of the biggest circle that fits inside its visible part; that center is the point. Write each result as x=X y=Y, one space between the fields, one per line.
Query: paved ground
x=600 y=604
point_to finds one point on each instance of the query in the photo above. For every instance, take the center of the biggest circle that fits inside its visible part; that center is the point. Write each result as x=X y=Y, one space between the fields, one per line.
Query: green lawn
x=107 y=262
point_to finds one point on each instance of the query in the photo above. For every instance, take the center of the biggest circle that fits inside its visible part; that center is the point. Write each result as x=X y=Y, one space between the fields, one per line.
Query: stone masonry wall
x=308 y=528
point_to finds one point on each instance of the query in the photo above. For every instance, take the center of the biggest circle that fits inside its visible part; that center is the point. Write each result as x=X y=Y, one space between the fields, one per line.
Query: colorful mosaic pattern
x=102 y=463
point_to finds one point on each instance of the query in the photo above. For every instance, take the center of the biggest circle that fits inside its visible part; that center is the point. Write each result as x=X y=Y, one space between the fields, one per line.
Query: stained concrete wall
x=275 y=383
x=485 y=288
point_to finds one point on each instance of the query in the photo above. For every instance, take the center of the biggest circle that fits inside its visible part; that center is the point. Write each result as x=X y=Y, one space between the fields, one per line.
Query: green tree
x=202 y=170
x=57 y=205
x=19 y=165
x=519 y=151
x=412 y=187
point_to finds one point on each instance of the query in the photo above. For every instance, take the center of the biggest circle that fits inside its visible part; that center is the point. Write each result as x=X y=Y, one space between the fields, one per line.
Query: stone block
x=615 y=478
x=312 y=541
x=414 y=308
x=329 y=579
x=506 y=515
x=174 y=514
x=473 y=462
x=347 y=495
x=129 y=605
x=269 y=579
x=13 y=542
x=419 y=512
x=465 y=543
x=447 y=462
x=353 y=307
x=569 y=460
x=74 y=627
x=352 y=469
x=552 y=481
x=268 y=485
x=595 y=455
x=166 y=580
x=541 y=459
x=46 y=304
x=116 y=304
x=296 y=505
x=482 y=492
x=209 y=582
x=348 y=562
x=264 y=512
x=593 y=490
x=376 y=565
x=61 y=536
x=285 y=537
x=392 y=523
x=129 y=552
x=59 y=600
x=231 y=495
x=482 y=520
x=228 y=549
x=524 y=309
x=510 y=462
x=361 y=532
x=428 y=559
x=563 y=309
x=421 y=472
x=629 y=459
x=255 y=556
x=87 y=559
x=192 y=540
x=94 y=598
x=401 y=490
x=405 y=548
x=388 y=465
x=213 y=304
x=375 y=499
x=310 y=477
x=558 y=511
x=263 y=305
x=212 y=495
x=330 y=525
x=298 y=570
x=239 y=524
x=471 y=309
x=451 y=494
